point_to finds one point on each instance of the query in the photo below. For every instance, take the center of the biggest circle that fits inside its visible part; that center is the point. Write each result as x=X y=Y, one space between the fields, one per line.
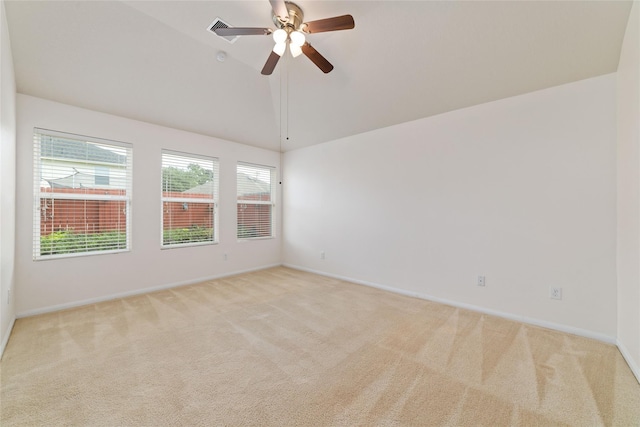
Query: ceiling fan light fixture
x=297 y=38
x=288 y=18
x=279 y=48
x=295 y=50
x=279 y=36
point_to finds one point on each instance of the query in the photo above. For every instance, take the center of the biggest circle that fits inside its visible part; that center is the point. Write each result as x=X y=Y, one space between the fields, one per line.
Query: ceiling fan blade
x=279 y=9
x=344 y=22
x=271 y=63
x=239 y=31
x=316 y=58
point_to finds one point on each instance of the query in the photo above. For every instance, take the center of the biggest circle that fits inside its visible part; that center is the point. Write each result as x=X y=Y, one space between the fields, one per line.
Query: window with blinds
x=255 y=191
x=189 y=199
x=82 y=195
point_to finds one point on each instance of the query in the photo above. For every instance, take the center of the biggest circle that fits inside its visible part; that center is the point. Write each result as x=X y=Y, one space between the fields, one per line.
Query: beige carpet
x=282 y=347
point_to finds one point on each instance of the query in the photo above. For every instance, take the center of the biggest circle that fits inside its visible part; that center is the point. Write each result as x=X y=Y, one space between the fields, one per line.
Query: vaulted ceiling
x=155 y=61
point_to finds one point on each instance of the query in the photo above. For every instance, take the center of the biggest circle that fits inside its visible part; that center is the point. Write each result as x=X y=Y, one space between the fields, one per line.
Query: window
x=189 y=199
x=76 y=211
x=255 y=201
x=102 y=175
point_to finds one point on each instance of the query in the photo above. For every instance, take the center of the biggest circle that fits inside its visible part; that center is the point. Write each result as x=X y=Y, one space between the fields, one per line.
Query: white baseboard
x=633 y=365
x=73 y=304
x=5 y=340
x=529 y=320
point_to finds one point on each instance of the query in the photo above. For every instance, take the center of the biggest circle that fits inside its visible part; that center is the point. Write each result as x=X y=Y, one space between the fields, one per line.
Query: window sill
x=188 y=245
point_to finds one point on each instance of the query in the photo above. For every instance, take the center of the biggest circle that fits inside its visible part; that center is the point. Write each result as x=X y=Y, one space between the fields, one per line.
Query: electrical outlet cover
x=555 y=293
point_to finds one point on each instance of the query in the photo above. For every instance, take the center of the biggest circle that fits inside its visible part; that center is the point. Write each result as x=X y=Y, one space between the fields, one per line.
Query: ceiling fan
x=288 y=18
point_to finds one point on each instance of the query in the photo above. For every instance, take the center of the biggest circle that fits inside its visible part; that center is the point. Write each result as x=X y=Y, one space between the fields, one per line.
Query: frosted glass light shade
x=295 y=50
x=279 y=36
x=297 y=38
x=279 y=48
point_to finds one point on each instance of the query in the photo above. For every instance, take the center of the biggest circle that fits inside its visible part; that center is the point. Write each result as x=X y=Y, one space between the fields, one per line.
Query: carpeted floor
x=281 y=347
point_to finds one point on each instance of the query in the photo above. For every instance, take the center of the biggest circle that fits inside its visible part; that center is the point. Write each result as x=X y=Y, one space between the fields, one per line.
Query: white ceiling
x=154 y=61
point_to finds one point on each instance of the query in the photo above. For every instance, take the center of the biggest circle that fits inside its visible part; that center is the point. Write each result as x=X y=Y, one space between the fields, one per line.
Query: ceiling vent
x=219 y=23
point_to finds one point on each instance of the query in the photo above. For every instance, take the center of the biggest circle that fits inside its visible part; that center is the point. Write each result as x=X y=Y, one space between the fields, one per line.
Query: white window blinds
x=189 y=199
x=255 y=185
x=82 y=195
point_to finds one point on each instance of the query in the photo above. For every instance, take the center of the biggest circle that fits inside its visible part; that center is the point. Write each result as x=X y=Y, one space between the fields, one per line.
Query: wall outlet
x=481 y=280
x=322 y=255
x=555 y=293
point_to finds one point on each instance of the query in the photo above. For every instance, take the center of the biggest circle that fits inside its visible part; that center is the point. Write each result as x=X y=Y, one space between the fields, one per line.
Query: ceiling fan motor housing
x=296 y=18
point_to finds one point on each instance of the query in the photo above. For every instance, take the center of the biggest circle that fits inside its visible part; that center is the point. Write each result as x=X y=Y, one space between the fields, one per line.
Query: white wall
x=7 y=182
x=628 y=90
x=44 y=285
x=521 y=190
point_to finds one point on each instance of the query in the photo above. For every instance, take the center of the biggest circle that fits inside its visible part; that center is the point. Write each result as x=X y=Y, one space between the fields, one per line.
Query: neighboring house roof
x=250 y=185
x=76 y=180
x=247 y=184
x=206 y=188
x=60 y=148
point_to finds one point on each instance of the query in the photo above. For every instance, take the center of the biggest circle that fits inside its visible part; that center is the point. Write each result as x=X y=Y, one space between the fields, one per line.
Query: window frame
x=39 y=196
x=272 y=202
x=214 y=200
